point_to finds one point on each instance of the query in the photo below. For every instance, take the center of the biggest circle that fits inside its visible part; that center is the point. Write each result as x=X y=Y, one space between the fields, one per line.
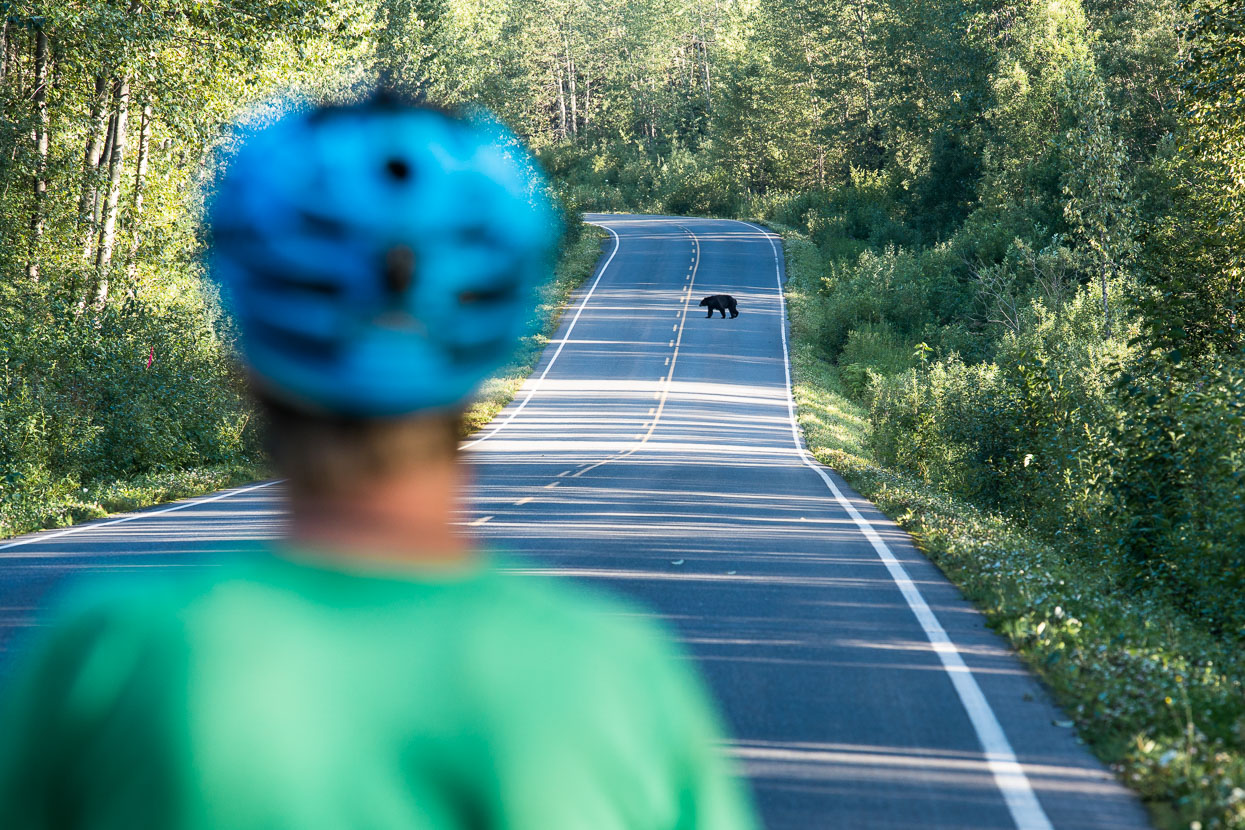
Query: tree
x=1100 y=209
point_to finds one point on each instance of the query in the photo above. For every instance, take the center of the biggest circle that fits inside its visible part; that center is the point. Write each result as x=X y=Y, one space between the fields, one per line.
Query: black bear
x=722 y=303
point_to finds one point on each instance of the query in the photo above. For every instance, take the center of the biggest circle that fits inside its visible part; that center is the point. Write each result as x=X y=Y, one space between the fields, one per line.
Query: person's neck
x=404 y=519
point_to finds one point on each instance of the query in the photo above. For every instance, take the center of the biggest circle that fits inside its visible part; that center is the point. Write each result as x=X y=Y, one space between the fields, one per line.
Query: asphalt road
x=653 y=454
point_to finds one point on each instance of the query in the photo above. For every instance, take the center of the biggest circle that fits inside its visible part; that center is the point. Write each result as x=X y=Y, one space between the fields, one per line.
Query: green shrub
x=884 y=288
x=87 y=396
x=877 y=346
x=858 y=380
x=1021 y=433
x=951 y=424
x=1177 y=476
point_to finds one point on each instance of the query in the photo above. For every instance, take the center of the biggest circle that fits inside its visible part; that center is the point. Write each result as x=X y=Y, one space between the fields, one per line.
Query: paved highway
x=653 y=454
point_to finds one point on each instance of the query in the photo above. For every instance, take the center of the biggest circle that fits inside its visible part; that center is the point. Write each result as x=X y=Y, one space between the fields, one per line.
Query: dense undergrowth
x=113 y=456
x=1154 y=692
x=103 y=411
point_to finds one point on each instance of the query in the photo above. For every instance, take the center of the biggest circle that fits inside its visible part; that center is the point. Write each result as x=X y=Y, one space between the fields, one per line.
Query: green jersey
x=275 y=693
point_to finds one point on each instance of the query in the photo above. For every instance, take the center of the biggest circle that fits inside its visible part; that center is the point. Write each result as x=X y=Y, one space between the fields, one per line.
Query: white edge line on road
x=44 y=537
x=1009 y=776
x=562 y=342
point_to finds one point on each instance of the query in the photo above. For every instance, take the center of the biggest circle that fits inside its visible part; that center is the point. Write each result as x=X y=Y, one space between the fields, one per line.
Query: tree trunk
x=140 y=182
x=704 y=55
x=100 y=131
x=1106 y=308
x=4 y=47
x=97 y=195
x=708 y=88
x=570 y=74
x=862 y=30
x=90 y=158
x=108 y=228
x=587 y=99
x=41 y=151
x=703 y=39
x=13 y=55
x=561 y=105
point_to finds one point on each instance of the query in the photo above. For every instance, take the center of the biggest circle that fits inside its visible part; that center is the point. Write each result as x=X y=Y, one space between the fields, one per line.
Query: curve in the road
x=534 y=387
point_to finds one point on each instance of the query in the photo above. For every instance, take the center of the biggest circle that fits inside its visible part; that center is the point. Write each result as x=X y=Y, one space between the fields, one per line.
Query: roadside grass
x=67 y=503
x=54 y=505
x=1157 y=698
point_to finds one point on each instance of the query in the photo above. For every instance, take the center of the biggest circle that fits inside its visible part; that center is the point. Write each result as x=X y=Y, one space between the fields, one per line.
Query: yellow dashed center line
x=662 y=394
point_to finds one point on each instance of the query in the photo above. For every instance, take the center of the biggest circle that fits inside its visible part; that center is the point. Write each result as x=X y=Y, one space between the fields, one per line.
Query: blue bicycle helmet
x=379 y=258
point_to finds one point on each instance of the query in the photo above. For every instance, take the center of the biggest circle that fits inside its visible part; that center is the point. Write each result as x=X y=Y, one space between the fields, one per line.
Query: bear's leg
x=710 y=314
x=723 y=310
x=734 y=312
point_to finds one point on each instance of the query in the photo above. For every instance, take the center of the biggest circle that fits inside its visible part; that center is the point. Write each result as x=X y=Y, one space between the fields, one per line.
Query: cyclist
x=377 y=667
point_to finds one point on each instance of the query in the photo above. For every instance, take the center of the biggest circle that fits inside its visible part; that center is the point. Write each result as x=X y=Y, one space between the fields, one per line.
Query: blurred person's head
x=381 y=259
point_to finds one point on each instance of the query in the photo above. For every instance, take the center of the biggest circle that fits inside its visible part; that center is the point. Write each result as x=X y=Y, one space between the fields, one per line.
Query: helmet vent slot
x=399 y=269
x=323 y=226
x=270 y=279
x=501 y=293
x=289 y=342
x=398 y=169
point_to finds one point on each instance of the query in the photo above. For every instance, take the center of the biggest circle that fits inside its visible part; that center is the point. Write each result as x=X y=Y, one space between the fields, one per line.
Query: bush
x=87 y=396
x=1177 y=476
x=886 y=289
x=952 y=424
x=1021 y=433
x=877 y=346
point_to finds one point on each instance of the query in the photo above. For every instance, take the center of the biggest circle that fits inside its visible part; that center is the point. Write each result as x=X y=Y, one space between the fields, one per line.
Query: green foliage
x=56 y=504
x=1190 y=287
x=113 y=366
x=1087 y=240
x=885 y=293
x=1051 y=367
x=1152 y=691
x=1191 y=266
x=80 y=404
x=1214 y=76
x=1176 y=466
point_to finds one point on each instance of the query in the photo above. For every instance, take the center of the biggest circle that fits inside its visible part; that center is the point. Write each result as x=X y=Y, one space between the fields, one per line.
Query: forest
x=1018 y=226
